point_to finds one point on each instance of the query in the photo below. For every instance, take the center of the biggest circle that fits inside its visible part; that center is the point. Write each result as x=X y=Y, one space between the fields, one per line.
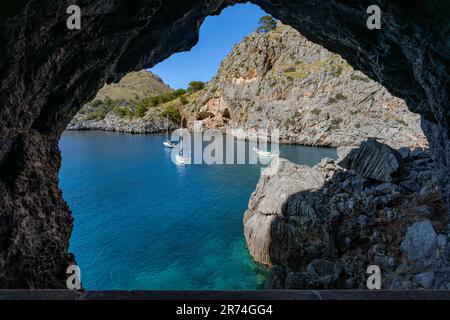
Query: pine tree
x=266 y=24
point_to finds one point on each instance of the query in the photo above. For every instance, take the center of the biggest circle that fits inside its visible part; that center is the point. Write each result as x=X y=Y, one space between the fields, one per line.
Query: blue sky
x=218 y=35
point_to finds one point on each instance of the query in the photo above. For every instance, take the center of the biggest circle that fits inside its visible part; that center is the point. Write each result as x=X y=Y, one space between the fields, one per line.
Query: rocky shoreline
x=278 y=80
x=148 y=124
x=321 y=227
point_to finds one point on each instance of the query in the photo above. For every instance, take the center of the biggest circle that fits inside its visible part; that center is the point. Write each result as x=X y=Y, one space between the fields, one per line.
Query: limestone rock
x=343 y=151
x=425 y=279
x=268 y=223
x=313 y=97
x=323 y=235
x=375 y=161
x=152 y=122
x=420 y=244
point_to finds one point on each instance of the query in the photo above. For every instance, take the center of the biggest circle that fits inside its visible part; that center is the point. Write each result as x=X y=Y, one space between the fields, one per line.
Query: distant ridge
x=135 y=86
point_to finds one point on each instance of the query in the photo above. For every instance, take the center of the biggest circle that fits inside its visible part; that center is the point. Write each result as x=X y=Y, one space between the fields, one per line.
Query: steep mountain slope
x=135 y=86
x=281 y=80
x=115 y=106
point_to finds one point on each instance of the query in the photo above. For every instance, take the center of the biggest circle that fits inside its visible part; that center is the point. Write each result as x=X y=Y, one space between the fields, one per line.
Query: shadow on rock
x=321 y=227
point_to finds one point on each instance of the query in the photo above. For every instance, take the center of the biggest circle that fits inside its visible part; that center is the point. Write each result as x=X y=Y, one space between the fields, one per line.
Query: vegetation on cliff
x=276 y=78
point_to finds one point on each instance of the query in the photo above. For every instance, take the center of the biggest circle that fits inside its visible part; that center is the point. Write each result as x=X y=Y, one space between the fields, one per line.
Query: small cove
x=142 y=222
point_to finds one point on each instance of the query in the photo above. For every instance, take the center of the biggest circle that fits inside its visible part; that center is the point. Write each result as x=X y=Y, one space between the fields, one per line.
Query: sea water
x=143 y=222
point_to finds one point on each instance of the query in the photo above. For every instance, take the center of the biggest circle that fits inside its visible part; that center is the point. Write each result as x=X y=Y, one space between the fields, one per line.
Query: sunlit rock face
x=278 y=79
x=321 y=227
x=48 y=72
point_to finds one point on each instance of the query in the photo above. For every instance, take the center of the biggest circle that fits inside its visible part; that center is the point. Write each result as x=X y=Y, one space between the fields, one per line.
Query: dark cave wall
x=48 y=72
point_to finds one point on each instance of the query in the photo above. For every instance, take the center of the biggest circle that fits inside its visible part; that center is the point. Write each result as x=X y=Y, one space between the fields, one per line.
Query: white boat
x=266 y=154
x=181 y=158
x=167 y=143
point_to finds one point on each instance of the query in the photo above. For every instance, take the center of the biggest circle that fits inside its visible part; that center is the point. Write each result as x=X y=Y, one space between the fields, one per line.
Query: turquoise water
x=142 y=222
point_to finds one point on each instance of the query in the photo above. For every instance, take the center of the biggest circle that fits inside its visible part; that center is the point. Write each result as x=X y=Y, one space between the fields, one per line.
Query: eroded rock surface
x=374 y=160
x=326 y=225
x=280 y=80
x=420 y=244
x=266 y=207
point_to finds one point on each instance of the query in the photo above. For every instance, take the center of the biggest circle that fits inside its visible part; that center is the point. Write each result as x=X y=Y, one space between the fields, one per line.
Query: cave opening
x=140 y=200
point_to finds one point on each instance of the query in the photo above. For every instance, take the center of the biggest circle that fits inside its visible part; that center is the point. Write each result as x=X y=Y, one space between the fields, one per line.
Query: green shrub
x=290 y=121
x=195 y=86
x=259 y=90
x=172 y=113
x=297 y=115
x=179 y=92
x=358 y=78
x=316 y=111
x=183 y=100
x=100 y=108
x=90 y=116
x=154 y=101
x=338 y=71
x=336 y=123
x=337 y=98
x=123 y=112
x=96 y=103
x=140 y=110
x=331 y=100
x=290 y=69
x=340 y=96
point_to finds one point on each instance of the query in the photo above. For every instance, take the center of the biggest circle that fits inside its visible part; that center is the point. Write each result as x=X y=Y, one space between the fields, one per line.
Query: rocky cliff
x=114 y=107
x=321 y=227
x=281 y=80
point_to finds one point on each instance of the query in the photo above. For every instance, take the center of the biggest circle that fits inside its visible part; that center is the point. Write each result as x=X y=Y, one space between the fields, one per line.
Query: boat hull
x=265 y=154
x=183 y=160
x=169 y=144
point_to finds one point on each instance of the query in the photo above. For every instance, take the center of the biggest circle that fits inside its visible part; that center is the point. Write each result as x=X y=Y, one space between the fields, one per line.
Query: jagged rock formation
x=374 y=160
x=321 y=227
x=48 y=72
x=281 y=80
